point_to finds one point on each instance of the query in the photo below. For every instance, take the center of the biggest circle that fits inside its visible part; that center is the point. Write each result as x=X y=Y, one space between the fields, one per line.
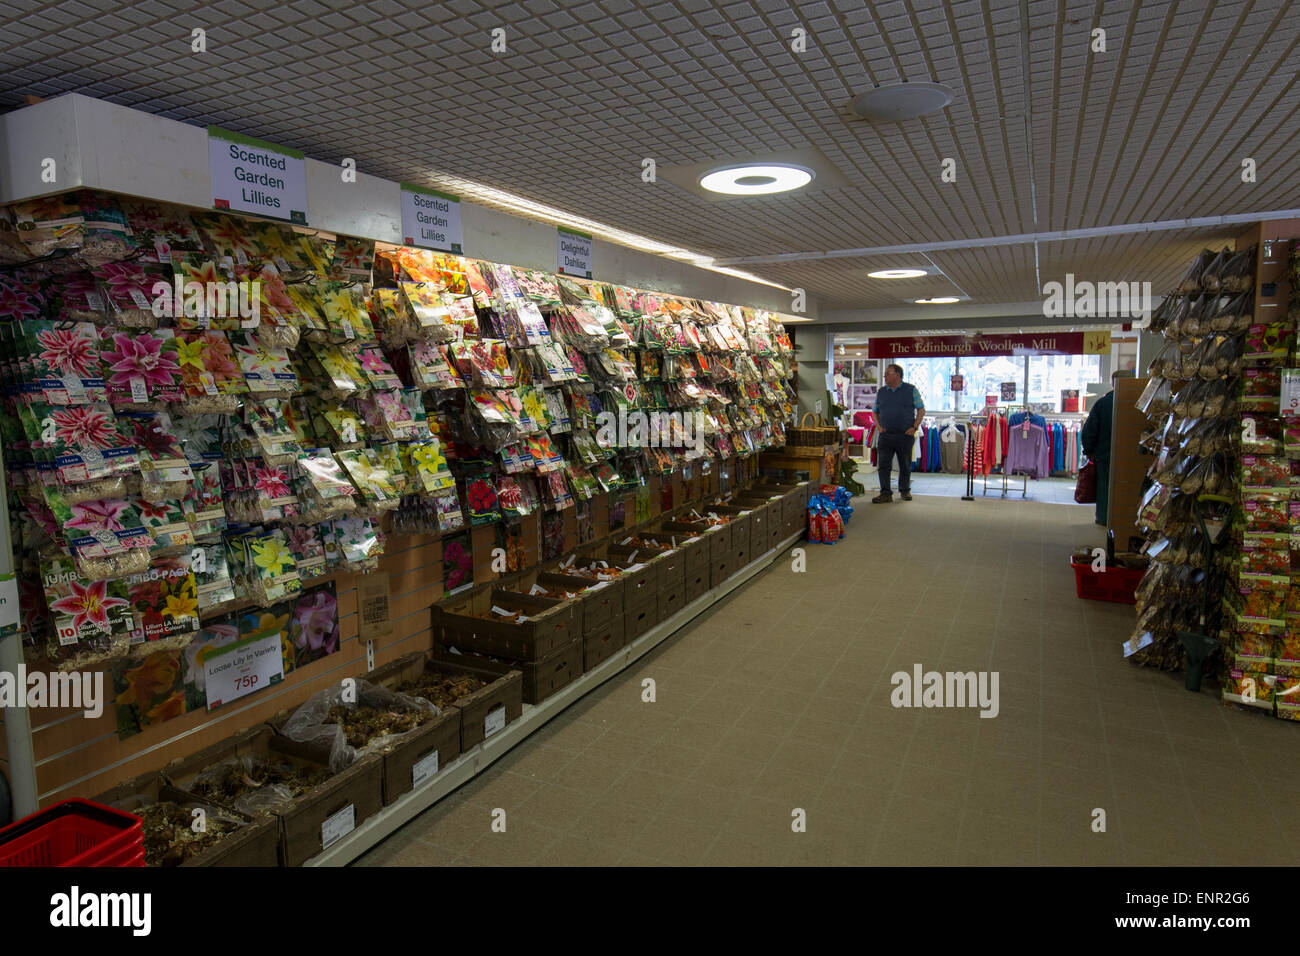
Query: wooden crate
x=470 y=624
x=599 y=646
x=538 y=679
x=257 y=843
x=641 y=616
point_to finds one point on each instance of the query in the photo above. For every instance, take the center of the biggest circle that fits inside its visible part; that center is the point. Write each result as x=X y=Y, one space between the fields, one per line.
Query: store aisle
x=780 y=699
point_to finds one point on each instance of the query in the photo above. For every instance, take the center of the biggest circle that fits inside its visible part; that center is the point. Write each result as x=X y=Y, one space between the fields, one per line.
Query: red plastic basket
x=1115 y=584
x=74 y=833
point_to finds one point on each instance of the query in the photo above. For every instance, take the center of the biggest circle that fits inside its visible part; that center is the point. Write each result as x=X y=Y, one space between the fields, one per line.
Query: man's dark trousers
x=891 y=444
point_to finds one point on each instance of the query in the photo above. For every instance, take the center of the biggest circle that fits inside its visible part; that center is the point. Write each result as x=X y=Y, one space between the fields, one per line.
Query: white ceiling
x=1153 y=129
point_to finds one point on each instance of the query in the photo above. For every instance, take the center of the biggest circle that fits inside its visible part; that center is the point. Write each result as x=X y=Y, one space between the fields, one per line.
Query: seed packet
x=210 y=374
x=325 y=478
x=307 y=300
x=428 y=466
x=164 y=604
x=556 y=491
x=91 y=618
x=268 y=419
x=269 y=564
x=345 y=310
x=342 y=369
x=544 y=454
x=85 y=441
x=359 y=543
x=308 y=550
x=1271 y=342
x=65 y=361
x=353 y=259
x=210 y=296
x=1263 y=515
x=205 y=501
x=377 y=371
x=168 y=522
x=1263 y=473
x=457 y=563
x=266 y=369
x=450 y=517
x=1262 y=388
x=371 y=479
x=1252 y=690
x=481 y=500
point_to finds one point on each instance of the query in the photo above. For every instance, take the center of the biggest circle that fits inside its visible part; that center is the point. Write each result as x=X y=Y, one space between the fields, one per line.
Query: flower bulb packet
x=214 y=589
x=308 y=549
x=269 y=567
x=359 y=542
x=210 y=374
x=141 y=367
x=168 y=522
x=342 y=426
x=92 y=619
x=370 y=477
x=378 y=372
x=137 y=293
x=450 y=517
x=84 y=440
x=267 y=369
x=164 y=604
x=205 y=501
x=64 y=361
x=354 y=259
x=342 y=369
x=165 y=471
x=346 y=313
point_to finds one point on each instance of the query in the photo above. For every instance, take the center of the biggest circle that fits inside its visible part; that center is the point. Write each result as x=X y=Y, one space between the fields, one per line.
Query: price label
x=139 y=393
x=67 y=635
x=76 y=391
x=282 y=265
x=209 y=383
x=424 y=768
x=9 y=616
x=348 y=332
x=94 y=301
x=349 y=431
x=203 y=322
x=140 y=299
x=494 y=721
x=1290 y=405
x=337 y=826
x=238 y=669
x=164 y=251
x=241 y=257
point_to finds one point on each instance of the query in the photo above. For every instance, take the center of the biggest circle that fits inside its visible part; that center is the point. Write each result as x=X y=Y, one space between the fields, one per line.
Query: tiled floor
x=1018 y=488
x=779 y=701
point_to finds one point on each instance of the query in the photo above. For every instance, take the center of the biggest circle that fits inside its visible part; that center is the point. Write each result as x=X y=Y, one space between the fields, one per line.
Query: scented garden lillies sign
x=431 y=219
x=254 y=176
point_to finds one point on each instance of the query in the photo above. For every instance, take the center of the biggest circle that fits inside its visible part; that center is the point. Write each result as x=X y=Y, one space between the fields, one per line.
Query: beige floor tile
x=644 y=787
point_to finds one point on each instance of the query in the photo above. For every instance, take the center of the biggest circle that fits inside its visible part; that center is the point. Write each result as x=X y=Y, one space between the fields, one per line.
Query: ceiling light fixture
x=938 y=300
x=896 y=102
x=897 y=274
x=756 y=179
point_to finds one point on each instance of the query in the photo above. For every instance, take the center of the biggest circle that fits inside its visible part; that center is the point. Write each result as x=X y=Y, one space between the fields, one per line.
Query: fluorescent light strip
x=528 y=207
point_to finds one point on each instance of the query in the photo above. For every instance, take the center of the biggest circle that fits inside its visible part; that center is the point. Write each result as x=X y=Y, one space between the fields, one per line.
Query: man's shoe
x=906 y=496
x=882 y=498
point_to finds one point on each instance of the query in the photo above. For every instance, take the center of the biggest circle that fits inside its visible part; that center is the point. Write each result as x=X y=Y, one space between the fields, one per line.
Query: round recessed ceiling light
x=897 y=274
x=938 y=300
x=756 y=179
x=902 y=101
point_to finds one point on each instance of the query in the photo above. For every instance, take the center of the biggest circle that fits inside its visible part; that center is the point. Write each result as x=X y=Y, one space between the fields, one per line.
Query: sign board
x=573 y=255
x=1008 y=390
x=958 y=383
x=1069 y=399
x=431 y=219
x=239 y=669
x=990 y=401
x=1045 y=343
x=254 y=176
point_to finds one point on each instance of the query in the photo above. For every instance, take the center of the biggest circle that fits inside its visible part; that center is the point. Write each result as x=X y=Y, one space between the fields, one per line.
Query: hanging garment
x=952 y=451
x=1027 y=453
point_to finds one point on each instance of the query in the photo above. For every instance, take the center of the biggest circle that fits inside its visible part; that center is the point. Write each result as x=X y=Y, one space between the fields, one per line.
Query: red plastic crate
x=74 y=833
x=1115 y=584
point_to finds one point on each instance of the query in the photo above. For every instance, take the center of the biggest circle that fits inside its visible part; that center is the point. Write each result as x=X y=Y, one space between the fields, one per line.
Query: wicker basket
x=815 y=435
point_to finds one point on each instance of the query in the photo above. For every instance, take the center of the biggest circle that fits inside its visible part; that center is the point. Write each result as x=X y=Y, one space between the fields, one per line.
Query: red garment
x=995 y=442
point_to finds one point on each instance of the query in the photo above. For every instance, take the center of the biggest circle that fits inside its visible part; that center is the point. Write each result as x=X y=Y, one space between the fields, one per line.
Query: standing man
x=1096 y=445
x=899 y=411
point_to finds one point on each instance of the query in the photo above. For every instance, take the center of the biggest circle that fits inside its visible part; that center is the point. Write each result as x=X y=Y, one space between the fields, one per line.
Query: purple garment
x=1027 y=452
